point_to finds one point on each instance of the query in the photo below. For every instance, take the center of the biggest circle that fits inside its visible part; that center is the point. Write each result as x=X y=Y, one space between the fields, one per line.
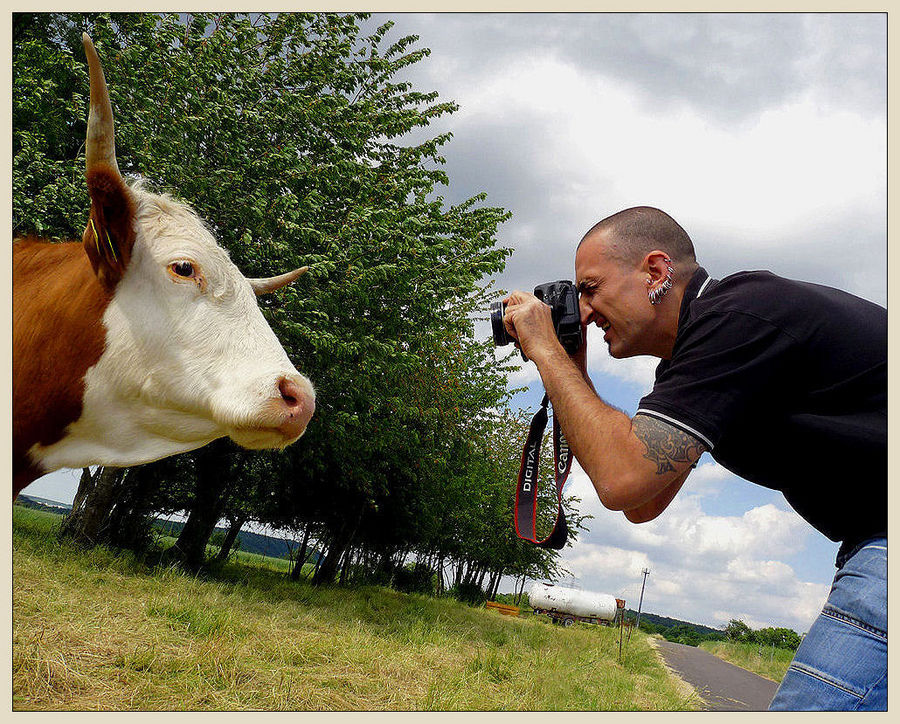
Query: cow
x=143 y=340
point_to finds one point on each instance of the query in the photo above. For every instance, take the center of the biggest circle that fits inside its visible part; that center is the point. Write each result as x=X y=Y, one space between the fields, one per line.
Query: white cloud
x=704 y=568
x=526 y=375
x=639 y=371
x=707 y=478
x=608 y=559
x=754 y=184
x=745 y=570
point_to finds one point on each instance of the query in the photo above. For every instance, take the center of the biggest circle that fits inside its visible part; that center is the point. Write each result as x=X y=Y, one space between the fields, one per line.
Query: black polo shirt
x=786 y=384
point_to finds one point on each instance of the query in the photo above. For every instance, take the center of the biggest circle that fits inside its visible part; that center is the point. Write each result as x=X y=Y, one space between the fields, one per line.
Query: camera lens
x=500 y=336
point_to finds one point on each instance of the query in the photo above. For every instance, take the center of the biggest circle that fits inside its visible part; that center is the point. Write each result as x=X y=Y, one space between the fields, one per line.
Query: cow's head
x=189 y=356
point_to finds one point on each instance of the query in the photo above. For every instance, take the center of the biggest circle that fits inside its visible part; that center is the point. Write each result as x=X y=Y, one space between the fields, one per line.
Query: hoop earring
x=656 y=295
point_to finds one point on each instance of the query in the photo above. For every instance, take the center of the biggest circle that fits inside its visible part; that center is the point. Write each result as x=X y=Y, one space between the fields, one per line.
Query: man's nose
x=587 y=312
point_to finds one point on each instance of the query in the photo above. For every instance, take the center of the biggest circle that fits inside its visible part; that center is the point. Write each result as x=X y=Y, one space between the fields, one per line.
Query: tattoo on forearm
x=665 y=443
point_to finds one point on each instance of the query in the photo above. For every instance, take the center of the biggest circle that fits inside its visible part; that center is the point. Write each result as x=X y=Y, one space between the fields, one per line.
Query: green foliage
x=737 y=630
x=468 y=593
x=415 y=578
x=784 y=638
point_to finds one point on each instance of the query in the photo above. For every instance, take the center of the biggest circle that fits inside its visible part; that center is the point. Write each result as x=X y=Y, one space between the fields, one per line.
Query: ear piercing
x=656 y=295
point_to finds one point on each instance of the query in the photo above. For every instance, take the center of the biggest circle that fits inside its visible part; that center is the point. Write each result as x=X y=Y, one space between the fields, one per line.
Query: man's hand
x=530 y=322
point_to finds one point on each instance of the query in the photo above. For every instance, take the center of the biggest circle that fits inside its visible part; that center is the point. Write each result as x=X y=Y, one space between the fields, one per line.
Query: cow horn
x=270 y=284
x=100 y=145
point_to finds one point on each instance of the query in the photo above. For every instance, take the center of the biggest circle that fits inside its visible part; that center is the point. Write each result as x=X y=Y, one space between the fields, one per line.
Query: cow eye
x=183 y=268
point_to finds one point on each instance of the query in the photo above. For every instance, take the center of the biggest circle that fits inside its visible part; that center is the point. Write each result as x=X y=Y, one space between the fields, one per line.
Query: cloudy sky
x=765 y=136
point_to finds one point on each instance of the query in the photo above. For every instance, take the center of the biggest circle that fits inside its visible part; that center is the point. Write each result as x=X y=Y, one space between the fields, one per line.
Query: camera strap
x=526 y=488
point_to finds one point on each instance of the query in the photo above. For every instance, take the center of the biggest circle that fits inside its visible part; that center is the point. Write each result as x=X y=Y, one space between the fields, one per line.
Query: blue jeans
x=842 y=662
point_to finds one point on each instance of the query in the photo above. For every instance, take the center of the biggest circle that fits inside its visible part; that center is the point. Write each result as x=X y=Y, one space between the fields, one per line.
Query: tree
x=782 y=638
x=290 y=134
x=738 y=631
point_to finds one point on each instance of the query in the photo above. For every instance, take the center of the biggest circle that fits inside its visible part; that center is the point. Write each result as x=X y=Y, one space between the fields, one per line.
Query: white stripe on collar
x=703 y=286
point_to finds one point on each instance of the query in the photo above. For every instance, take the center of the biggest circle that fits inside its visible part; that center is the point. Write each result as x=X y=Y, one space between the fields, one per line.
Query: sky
x=765 y=137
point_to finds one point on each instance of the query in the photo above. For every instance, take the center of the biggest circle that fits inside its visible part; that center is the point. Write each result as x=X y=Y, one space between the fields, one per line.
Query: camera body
x=562 y=298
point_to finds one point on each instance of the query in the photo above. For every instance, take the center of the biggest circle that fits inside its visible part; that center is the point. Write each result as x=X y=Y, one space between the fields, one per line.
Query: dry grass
x=95 y=631
x=765 y=661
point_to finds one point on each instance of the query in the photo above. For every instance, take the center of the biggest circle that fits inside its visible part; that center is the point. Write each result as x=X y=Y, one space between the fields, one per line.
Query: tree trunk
x=301 y=555
x=207 y=506
x=341 y=541
x=345 y=568
x=521 y=590
x=129 y=524
x=84 y=526
x=496 y=585
x=328 y=567
x=235 y=525
x=481 y=578
x=440 y=572
x=85 y=486
x=319 y=559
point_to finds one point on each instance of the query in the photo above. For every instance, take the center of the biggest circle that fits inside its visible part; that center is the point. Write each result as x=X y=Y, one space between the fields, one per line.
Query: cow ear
x=109 y=235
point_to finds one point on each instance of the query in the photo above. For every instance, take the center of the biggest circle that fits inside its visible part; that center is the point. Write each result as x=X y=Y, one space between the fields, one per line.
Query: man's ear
x=658 y=266
x=109 y=235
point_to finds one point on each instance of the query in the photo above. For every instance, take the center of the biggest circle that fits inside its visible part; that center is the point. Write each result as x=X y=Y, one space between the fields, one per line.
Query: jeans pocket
x=847 y=619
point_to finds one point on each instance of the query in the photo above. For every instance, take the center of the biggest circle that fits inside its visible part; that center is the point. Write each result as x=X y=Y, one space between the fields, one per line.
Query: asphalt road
x=723 y=686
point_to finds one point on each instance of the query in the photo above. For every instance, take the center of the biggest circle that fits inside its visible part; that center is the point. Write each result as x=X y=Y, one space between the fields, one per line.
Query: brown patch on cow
x=109 y=236
x=58 y=333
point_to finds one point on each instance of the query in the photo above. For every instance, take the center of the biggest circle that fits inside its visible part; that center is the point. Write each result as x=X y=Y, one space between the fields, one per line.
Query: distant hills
x=49 y=506
x=250 y=542
x=666 y=622
x=263 y=545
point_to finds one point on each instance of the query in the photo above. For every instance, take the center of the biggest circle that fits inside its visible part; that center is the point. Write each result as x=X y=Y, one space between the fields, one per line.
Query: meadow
x=98 y=630
x=767 y=661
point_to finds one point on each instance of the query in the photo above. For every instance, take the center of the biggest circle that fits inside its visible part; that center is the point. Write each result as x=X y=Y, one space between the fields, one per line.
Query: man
x=783 y=382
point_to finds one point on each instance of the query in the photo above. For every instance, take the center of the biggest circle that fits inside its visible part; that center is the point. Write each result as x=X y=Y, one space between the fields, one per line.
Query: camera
x=562 y=298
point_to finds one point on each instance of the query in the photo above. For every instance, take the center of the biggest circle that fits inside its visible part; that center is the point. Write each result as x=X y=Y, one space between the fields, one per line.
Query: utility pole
x=646 y=572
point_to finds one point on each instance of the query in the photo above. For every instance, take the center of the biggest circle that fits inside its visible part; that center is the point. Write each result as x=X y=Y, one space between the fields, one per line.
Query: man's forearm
x=630 y=462
x=600 y=436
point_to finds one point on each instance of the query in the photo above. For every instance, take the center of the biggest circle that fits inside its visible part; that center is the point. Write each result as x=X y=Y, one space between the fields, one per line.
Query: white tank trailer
x=567 y=605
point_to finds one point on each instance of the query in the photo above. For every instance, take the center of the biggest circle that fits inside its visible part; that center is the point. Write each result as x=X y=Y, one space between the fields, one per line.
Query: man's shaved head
x=631 y=234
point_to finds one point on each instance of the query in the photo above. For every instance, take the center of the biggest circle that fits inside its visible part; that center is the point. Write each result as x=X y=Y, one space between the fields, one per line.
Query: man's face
x=614 y=297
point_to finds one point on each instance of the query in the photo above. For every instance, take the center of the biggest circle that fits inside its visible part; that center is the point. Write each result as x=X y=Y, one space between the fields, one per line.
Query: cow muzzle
x=280 y=417
x=296 y=407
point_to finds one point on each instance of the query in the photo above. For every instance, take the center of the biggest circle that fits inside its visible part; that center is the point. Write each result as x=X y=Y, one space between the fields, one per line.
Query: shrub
x=415 y=578
x=470 y=593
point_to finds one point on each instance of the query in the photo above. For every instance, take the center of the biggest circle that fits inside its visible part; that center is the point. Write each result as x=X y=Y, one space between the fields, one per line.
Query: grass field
x=98 y=631
x=766 y=661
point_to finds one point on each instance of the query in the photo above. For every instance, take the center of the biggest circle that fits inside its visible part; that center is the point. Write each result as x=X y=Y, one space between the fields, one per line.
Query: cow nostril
x=298 y=404
x=290 y=393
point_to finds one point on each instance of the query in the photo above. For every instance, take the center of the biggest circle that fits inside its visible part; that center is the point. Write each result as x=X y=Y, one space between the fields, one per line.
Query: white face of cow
x=189 y=356
x=209 y=354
